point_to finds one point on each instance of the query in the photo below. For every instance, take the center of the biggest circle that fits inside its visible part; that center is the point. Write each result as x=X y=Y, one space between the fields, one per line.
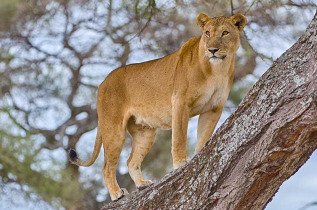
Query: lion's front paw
x=180 y=163
x=120 y=194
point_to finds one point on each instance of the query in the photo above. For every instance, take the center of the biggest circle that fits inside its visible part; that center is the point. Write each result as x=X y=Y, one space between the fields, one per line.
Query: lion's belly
x=161 y=119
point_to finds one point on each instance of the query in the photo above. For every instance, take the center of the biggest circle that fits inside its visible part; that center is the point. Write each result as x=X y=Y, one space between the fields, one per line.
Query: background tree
x=54 y=54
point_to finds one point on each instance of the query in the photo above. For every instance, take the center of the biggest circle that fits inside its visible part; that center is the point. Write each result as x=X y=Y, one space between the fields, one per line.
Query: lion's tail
x=73 y=154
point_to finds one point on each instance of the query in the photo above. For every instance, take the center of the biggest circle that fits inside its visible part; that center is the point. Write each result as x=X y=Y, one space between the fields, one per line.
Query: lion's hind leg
x=113 y=135
x=142 y=141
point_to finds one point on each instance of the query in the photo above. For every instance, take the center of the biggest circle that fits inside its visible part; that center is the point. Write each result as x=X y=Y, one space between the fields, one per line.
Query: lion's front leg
x=180 y=117
x=206 y=126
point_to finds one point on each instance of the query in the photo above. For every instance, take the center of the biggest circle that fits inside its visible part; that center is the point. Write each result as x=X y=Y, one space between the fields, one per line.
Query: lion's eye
x=207 y=33
x=225 y=33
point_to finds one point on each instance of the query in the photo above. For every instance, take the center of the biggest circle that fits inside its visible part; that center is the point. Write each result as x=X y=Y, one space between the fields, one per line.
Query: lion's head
x=221 y=35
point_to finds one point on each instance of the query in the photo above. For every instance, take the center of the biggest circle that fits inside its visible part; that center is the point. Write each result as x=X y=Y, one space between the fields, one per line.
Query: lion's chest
x=210 y=95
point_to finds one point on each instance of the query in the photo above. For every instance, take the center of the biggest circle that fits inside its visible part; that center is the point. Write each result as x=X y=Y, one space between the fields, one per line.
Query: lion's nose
x=213 y=51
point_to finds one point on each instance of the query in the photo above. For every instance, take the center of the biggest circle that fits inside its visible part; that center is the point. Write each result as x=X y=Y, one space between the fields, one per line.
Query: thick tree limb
x=264 y=142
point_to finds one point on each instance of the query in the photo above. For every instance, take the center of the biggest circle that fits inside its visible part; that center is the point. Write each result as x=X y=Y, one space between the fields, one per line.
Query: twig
x=247 y=11
x=308 y=205
x=231 y=3
x=261 y=55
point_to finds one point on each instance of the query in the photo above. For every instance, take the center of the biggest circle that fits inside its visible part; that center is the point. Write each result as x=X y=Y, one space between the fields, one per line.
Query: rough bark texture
x=264 y=142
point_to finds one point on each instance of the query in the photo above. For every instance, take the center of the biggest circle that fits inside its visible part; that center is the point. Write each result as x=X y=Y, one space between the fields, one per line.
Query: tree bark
x=265 y=141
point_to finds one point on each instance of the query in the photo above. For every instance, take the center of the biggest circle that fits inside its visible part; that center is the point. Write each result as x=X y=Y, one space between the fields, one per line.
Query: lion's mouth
x=216 y=57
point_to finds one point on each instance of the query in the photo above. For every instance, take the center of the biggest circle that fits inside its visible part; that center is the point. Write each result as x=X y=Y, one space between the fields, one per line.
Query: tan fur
x=164 y=94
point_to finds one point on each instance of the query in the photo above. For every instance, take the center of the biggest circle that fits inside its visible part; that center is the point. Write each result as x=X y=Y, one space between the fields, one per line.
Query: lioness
x=163 y=94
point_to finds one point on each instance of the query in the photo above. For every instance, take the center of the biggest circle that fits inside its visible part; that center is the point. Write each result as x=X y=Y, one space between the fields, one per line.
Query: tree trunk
x=264 y=142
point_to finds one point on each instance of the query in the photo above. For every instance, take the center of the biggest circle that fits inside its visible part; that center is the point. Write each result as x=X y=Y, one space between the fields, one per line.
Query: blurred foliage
x=17 y=159
x=55 y=53
x=238 y=90
x=8 y=9
x=159 y=160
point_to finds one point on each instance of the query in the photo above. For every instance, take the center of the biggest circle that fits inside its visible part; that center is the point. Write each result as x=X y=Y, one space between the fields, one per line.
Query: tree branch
x=264 y=142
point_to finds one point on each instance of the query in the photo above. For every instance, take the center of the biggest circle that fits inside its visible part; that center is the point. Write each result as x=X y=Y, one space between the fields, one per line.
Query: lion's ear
x=239 y=21
x=202 y=19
